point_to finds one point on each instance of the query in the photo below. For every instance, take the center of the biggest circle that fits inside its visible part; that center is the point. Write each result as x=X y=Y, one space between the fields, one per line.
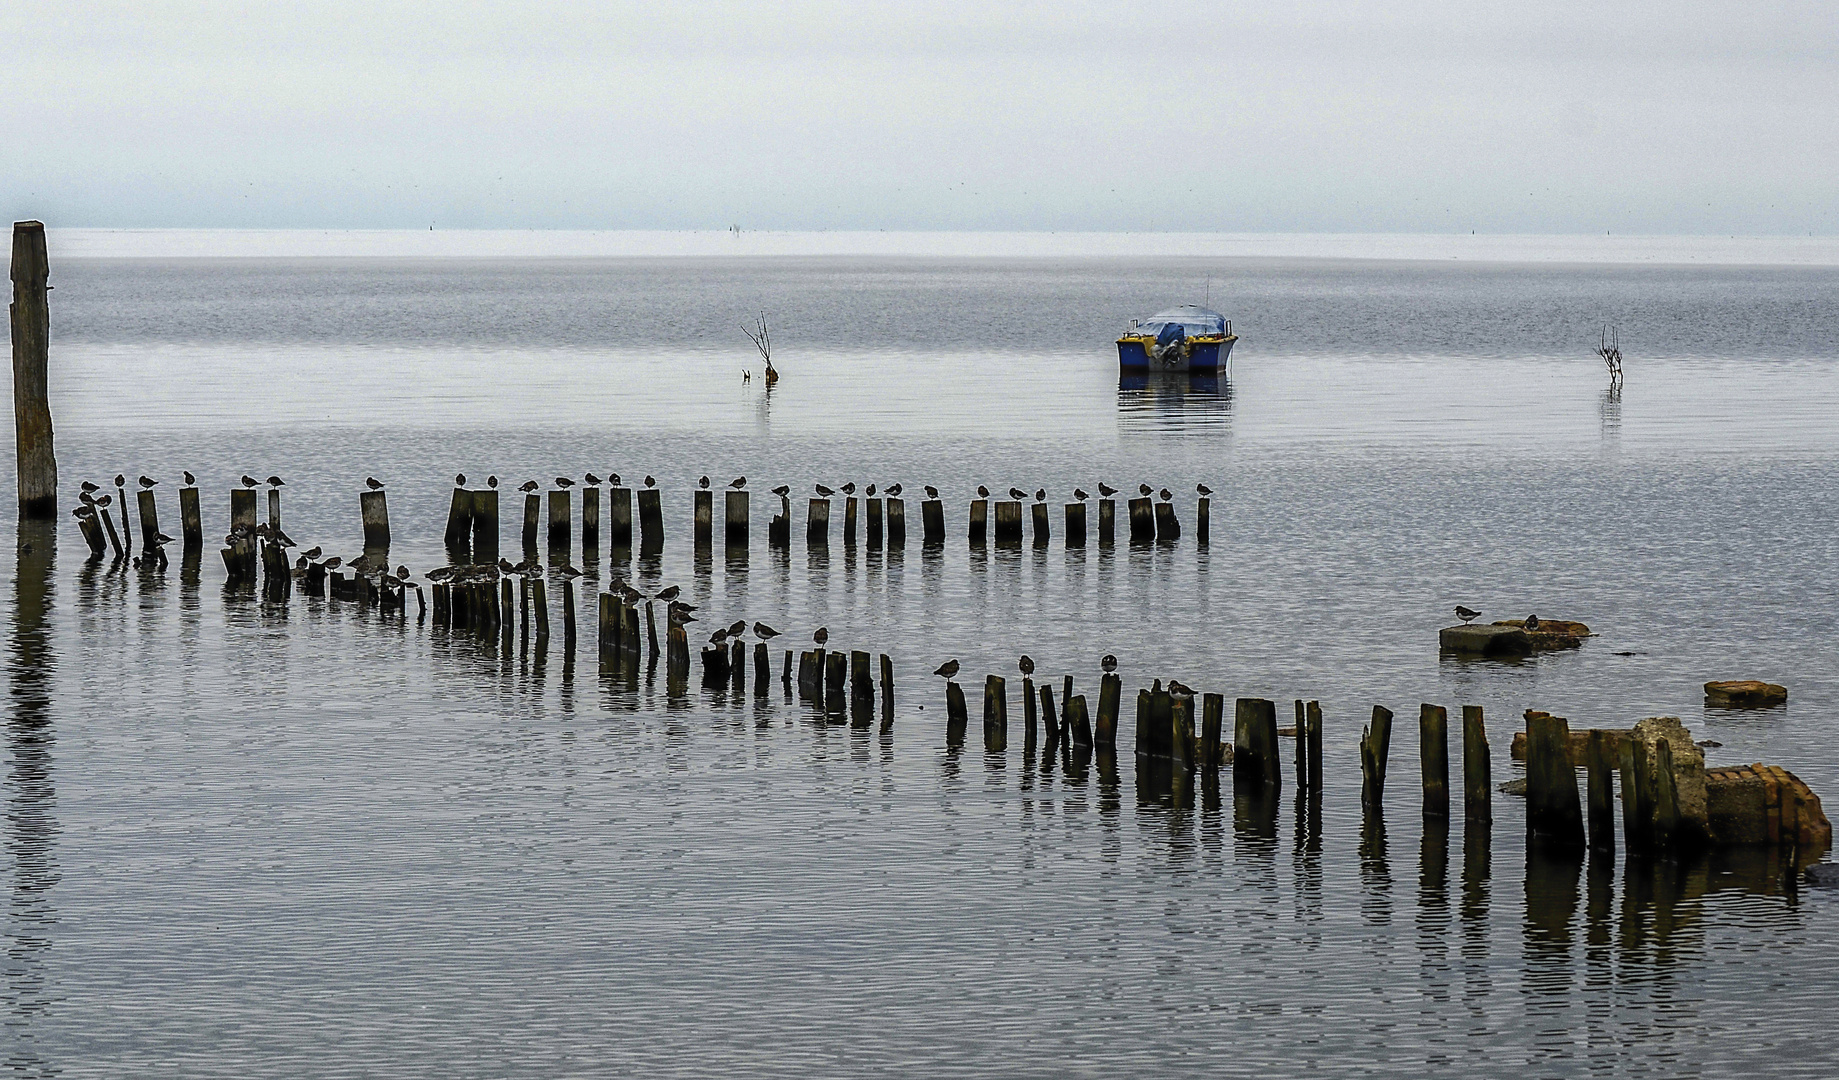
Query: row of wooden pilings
x=473 y=521
x=1651 y=819
x=490 y=608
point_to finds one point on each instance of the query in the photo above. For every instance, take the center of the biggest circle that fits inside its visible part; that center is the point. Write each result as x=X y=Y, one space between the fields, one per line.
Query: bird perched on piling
x=1080 y=494
x=505 y=567
x=491 y=482
x=249 y=481
x=1106 y=490
x=162 y=539
x=719 y=637
x=869 y=491
x=1027 y=664
x=783 y=490
x=459 y=479
x=86 y=498
x=89 y=487
x=1040 y=494
x=669 y=594
x=821 y=635
x=564 y=482
x=764 y=632
x=402 y=573
x=569 y=573
x=190 y=480
x=1109 y=663
x=651 y=481
x=739 y=629
x=982 y=492
x=591 y=479
x=1180 y=688
x=529 y=485
x=1145 y=490
x=147 y=481
x=1017 y=493
x=678 y=615
x=931 y=492
x=849 y=488
x=1203 y=489
x=738 y=483
x=373 y=483
x=1467 y=615
x=893 y=491
x=83 y=511
x=627 y=593
x=121 y=480
x=613 y=478
x=948 y=669
x=313 y=552
x=334 y=562
x=105 y=500
x=276 y=481
x=1166 y=494
x=822 y=490
x=1532 y=622
x=703 y=482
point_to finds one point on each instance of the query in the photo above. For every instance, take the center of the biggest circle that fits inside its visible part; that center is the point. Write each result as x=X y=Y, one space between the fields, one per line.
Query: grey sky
x=1398 y=116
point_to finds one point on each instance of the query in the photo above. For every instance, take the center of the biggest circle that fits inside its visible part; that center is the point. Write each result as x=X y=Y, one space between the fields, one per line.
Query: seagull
x=1080 y=494
x=1466 y=614
x=591 y=479
x=1017 y=493
x=459 y=479
x=824 y=491
x=190 y=479
x=373 y=483
x=738 y=483
x=651 y=481
x=564 y=482
x=1027 y=664
x=782 y=490
x=1166 y=494
x=1106 y=489
x=982 y=492
x=893 y=491
x=1203 y=489
x=703 y=483
x=947 y=669
x=849 y=488
x=249 y=481
x=822 y=635
x=1532 y=622
x=529 y=485
x=276 y=481
x=491 y=482
x=147 y=481
x=764 y=632
x=669 y=594
x=1109 y=663
x=931 y=492
x=1040 y=494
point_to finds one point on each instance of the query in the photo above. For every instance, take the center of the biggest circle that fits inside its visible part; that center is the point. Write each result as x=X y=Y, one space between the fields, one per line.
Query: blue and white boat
x=1186 y=338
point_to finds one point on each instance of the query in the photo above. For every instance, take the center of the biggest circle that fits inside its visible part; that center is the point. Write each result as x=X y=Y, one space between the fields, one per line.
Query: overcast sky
x=1399 y=116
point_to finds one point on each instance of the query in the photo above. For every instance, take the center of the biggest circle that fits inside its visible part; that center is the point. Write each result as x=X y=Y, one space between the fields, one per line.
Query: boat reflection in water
x=1174 y=402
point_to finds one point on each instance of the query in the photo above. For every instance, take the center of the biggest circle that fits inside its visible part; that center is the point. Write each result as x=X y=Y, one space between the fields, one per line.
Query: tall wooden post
x=1433 y=758
x=1477 y=786
x=31 y=312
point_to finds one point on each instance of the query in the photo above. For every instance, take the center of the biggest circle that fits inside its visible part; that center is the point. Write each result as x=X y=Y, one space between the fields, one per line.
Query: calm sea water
x=303 y=841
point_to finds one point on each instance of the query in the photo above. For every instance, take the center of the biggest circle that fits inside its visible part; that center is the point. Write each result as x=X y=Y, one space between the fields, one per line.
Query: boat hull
x=1213 y=357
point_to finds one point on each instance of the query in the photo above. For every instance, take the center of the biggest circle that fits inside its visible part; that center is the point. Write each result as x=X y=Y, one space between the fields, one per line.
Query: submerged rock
x=1745 y=694
x=1823 y=876
x=1511 y=638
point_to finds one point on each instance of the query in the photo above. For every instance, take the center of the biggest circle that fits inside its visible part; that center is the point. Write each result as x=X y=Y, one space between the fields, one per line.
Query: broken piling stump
x=897 y=524
x=651 y=523
x=1009 y=522
x=1552 y=809
x=704 y=518
x=932 y=522
x=485 y=527
x=191 y=519
x=1142 y=520
x=1477 y=769
x=619 y=517
x=1075 y=525
x=1433 y=758
x=817 y=523
x=995 y=714
x=1168 y=530
x=980 y=520
x=1375 y=746
x=734 y=519
x=1107 y=521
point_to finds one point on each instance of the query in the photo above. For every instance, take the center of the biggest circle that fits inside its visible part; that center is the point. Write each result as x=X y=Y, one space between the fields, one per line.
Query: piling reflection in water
x=30 y=794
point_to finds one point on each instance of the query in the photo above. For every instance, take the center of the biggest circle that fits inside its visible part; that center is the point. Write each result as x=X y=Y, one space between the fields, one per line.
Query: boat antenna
x=1209 y=290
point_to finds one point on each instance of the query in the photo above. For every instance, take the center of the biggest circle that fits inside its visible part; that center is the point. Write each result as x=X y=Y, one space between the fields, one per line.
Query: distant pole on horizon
x=31 y=317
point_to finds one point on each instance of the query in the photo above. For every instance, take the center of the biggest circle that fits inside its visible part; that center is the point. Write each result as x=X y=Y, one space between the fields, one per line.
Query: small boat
x=1186 y=338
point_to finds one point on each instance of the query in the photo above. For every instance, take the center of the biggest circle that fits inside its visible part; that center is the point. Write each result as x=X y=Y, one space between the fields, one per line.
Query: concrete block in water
x=1757 y=805
x=1484 y=640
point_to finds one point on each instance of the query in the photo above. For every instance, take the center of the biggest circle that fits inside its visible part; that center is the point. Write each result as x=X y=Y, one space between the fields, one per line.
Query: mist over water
x=307 y=841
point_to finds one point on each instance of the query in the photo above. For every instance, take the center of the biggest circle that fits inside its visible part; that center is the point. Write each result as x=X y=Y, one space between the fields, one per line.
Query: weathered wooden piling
x=1110 y=694
x=191 y=519
x=849 y=521
x=762 y=669
x=1203 y=514
x=1599 y=787
x=734 y=519
x=861 y=689
x=1637 y=809
x=1142 y=520
x=810 y=677
x=149 y=521
x=91 y=527
x=897 y=524
x=1107 y=521
x=1168 y=530
x=533 y=510
x=1050 y=724
x=34 y=453
x=817 y=523
x=1075 y=525
x=956 y=715
x=1078 y=725
x=485 y=526
x=836 y=680
x=459 y=519
x=619 y=517
x=779 y=529
x=242 y=508
x=443 y=610
x=872 y=508
x=1375 y=746
x=374 y=507
x=980 y=521
x=1153 y=739
x=651 y=630
x=1040 y=525
x=1212 y=724
x=737 y=667
x=677 y=658
x=705 y=517
x=1433 y=758
x=887 y=692
x=1030 y=713
x=714 y=665
x=1666 y=795
x=1477 y=770
x=274 y=508
x=504 y=611
x=1254 y=743
x=1302 y=747
x=932 y=521
x=651 y=521
x=1009 y=522
x=1182 y=749
x=569 y=629
x=1552 y=810
x=1312 y=730
x=590 y=524
x=561 y=518
x=995 y=714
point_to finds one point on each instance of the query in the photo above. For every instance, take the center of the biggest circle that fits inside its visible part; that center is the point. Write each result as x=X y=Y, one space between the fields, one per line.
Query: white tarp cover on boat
x=1195 y=321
